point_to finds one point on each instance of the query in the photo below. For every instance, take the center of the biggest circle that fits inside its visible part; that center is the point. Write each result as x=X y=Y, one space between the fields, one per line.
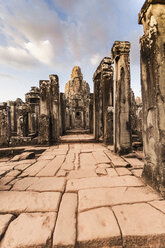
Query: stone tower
x=77 y=94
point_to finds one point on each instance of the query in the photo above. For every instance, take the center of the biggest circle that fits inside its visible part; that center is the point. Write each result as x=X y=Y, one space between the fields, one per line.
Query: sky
x=43 y=37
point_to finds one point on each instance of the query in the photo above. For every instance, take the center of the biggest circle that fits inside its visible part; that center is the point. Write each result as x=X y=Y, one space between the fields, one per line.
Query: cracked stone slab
x=35 y=168
x=111 y=172
x=48 y=184
x=100 y=157
x=101 y=171
x=93 y=198
x=65 y=230
x=30 y=230
x=5 y=219
x=98 y=228
x=74 y=185
x=52 y=167
x=145 y=229
x=18 y=202
x=5 y=187
x=13 y=173
x=135 y=162
x=5 y=180
x=22 y=167
x=159 y=205
x=137 y=172
x=61 y=173
x=123 y=171
x=24 y=183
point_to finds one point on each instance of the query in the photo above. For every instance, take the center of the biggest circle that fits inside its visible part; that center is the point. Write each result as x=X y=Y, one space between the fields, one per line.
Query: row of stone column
x=112 y=99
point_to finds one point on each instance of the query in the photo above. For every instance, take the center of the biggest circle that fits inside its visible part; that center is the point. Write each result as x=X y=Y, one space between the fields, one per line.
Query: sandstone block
x=4 y=222
x=35 y=168
x=159 y=205
x=93 y=198
x=145 y=229
x=123 y=171
x=74 y=185
x=65 y=230
x=48 y=184
x=30 y=230
x=18 y=202
x=98 y=228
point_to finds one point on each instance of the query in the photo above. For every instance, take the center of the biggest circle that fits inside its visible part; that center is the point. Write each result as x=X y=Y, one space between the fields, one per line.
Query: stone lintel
x=120 y=47
x=145 y=7
x=104 y=66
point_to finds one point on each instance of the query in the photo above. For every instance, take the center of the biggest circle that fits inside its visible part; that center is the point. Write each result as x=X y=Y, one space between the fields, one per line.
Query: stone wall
x=152 y=16
x=4 y=125
x=122 y=121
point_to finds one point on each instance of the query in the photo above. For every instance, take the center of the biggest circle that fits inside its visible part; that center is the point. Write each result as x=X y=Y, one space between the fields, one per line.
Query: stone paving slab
x=35 y=168
x=23 y=184
x=111 y=172
x=74 y=185
x=137 y=172
x=159 y=205
x=30 y=230
x=100 y=157
x=135 y=163
x=93 y=198
x=5 y=187
x=22 y=167
x=98 y=228
x=52 y=167
x=13 y=173
x=141 y=226
x=82 y=173
x=48 y=184
x=5 y=219
x=65 y=229
x=18 y=202
x=123 y=171
x=5 y=180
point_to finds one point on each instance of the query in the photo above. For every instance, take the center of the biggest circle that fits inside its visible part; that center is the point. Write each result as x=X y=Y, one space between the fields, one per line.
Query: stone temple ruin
x=111 y=112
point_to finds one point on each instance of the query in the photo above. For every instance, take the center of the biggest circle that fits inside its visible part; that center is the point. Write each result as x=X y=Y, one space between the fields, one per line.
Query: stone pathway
x=78 y=195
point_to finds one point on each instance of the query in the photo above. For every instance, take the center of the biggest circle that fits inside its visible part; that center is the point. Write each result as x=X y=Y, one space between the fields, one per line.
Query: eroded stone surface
x=30 y=230
x=18 y=202
x=147 y=229
x=93 y=198
x=159 y=205
x=98 y=228
x=4 y=222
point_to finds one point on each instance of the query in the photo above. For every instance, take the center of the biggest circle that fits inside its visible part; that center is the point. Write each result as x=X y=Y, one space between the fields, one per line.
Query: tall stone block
x=12 y=105
x=122 y=126
x=54 y=108
x=4 y=125
x=152 y=16
x=91 y=113
x=62 y=114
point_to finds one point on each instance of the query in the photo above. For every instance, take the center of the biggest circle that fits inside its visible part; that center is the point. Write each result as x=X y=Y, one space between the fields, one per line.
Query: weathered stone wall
x=91 y=113
x=4 y=125
x=103 y=101
x=32 y=100
x=49 y=110
x=77 y=94
x=152 y=16
x=62 y=114
x=122 y=123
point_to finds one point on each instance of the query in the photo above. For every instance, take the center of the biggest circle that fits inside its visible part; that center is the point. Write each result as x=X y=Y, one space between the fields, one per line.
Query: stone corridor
x=78 y=194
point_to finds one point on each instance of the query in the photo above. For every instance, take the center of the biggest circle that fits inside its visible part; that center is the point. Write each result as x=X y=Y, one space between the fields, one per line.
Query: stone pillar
x=91 y=113
x=44 y=118
x=107 y=82
x=152 y=16
x=96 y=106
x=12 y=105
x=62 y=114
x=122 y=125
x=55 y=99
x=4 y=125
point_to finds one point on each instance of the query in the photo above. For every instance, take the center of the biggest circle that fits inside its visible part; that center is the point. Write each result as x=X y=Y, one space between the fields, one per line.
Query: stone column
x=44 y=118
x=91 y=113
x=152 y=16
x=107 y=84
x=62 y=114
x=12 y=105
x=122 y=126
x=4 y=125
x=96 y=106
x=55 y=99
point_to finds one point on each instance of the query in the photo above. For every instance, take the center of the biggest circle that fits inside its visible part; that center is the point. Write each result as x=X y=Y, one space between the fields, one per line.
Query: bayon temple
x=111 y=113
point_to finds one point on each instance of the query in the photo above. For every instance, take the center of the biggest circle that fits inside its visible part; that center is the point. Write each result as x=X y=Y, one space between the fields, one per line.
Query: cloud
x=16 y=57
x=3 y=75
x=42 y=51
x=95 y=59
